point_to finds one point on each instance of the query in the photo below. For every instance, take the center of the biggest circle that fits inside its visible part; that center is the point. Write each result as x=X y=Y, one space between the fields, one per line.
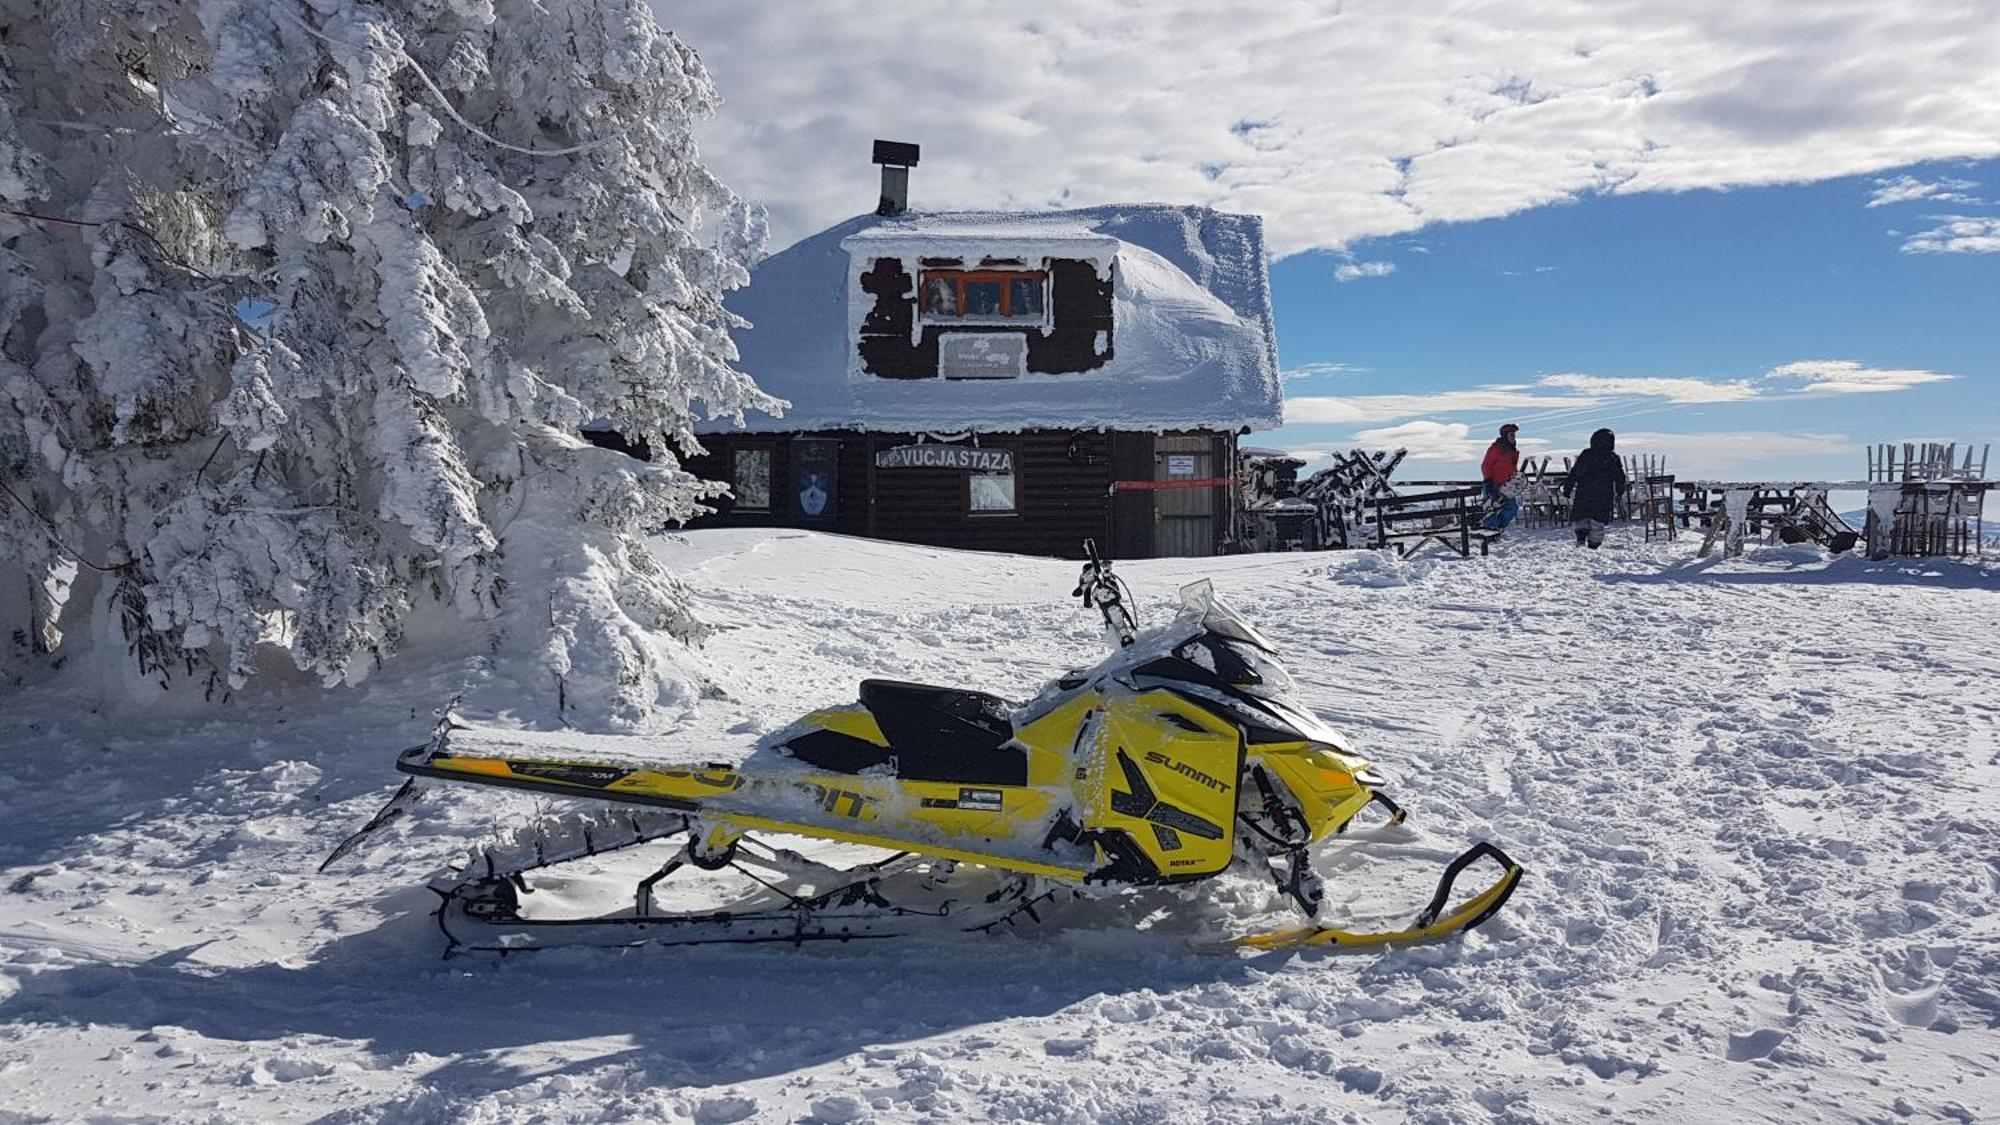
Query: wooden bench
x=1773 y=511
x=1449 y=517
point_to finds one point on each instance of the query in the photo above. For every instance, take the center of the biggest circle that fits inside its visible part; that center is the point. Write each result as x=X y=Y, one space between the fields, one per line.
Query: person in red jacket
x=1502 y=461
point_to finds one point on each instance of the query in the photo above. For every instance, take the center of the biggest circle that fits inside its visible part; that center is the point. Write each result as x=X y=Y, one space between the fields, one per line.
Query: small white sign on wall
x=982 y=355
x=1180 y=465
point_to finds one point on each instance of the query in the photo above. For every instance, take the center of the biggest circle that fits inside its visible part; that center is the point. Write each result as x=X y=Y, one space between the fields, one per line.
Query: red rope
x=1158 y=485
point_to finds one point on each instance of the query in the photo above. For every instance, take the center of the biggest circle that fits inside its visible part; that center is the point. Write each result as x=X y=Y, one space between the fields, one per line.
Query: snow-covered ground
x=1758 y=799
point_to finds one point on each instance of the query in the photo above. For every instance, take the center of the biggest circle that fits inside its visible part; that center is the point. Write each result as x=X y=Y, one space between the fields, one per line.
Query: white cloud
x=1336 y=123
x=1354 y=271
x=1431 y=440
x=1322 y=371
x=1556 y=397
x=1960 y=234
x=1842 y=376
x=1907 y=188
x=1309 y=409
x=1719 y=454
x=1426 y=440
x=1724 y=454
x=1653 y=386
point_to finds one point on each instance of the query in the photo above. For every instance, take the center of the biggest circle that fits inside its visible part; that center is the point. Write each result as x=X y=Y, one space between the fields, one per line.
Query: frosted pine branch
x=361 y=272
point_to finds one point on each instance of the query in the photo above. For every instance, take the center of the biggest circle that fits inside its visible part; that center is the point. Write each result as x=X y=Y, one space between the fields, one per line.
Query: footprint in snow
x=1746 y=1046
x=725 y=1109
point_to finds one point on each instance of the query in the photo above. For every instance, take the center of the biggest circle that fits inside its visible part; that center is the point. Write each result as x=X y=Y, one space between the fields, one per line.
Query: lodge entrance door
x=1183 y=518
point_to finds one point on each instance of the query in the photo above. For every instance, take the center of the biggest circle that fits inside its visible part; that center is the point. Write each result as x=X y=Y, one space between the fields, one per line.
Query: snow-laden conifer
x=302 y=305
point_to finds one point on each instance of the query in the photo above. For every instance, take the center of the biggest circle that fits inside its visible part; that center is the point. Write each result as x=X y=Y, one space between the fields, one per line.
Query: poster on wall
x=816 y=479
x=1180 y=465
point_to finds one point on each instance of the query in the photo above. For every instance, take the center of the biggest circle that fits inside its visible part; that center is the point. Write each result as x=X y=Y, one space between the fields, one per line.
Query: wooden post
x=1717 y=524
x=870 y=454
x=1737 y=503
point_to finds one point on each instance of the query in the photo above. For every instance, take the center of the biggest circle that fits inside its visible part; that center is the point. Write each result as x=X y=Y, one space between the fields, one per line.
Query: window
x=940 y=296
x=983 y=295
x=1024 y=296
x=751 y=480
x=991 y=492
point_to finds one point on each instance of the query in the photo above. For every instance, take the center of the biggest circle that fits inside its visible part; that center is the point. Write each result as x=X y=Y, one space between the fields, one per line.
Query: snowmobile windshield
x=1237 y=664
x=1272 y=679
x=1199 y=601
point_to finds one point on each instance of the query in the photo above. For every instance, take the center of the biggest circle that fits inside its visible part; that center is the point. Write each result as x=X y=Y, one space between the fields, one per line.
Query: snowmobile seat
x=946 y=734
x=934 y=734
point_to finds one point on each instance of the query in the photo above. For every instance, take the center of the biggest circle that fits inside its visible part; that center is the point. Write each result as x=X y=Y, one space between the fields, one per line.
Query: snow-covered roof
x=1060 y=235
x=1193 y=343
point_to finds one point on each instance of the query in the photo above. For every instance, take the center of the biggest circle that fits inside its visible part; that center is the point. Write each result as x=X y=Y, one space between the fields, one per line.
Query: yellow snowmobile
x=1175 y=757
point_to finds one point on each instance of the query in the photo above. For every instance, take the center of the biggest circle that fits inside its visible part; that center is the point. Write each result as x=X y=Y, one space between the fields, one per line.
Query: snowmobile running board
x=1428 y=926
x=421 y=762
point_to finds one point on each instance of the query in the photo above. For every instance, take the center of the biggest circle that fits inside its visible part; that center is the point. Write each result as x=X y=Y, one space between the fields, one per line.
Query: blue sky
x=1718 y=286
x=1536 y=196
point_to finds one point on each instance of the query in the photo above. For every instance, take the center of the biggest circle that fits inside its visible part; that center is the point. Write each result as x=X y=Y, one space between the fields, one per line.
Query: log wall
x=1062 y=492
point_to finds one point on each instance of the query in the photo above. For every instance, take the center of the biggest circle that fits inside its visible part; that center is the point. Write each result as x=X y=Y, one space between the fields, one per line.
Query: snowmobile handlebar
x=1105 y=591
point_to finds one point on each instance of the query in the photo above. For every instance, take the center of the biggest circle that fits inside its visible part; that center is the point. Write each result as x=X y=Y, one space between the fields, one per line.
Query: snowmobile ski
x=1430 y=925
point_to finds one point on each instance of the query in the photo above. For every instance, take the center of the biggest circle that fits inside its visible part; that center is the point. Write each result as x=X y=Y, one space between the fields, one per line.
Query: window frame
x=1005 y=277
x=995 y=513
x=736 y=503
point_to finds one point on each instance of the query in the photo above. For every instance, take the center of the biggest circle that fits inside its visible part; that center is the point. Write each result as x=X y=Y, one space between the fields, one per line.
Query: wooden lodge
x=1013 y=382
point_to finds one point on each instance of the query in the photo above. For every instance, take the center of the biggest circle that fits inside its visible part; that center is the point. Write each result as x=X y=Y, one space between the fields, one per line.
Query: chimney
x=896 y=159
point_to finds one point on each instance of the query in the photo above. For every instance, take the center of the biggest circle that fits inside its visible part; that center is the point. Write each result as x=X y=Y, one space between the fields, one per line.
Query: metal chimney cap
x=901 y=154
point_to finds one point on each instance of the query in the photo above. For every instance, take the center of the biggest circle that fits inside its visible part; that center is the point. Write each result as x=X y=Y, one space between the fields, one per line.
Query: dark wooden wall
x=1062 y=492
x=1079 y=304
x=1132 y=512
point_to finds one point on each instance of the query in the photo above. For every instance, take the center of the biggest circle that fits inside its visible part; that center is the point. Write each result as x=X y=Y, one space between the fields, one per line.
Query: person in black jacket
x=1595 y=483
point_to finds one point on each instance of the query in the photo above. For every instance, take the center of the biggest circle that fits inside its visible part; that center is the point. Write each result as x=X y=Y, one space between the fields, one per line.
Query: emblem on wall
x=812 y=498
x=816 y=478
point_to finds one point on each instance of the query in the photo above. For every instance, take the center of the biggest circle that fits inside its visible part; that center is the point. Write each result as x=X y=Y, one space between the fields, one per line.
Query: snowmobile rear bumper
x=1431 y=924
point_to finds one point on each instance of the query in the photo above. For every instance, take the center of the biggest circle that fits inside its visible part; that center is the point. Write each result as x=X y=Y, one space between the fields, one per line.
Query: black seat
x=934 y=733
x=946 y=734
x=921 y=716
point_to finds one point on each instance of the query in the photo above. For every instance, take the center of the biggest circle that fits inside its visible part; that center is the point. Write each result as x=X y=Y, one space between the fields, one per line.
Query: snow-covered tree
x=302 y=303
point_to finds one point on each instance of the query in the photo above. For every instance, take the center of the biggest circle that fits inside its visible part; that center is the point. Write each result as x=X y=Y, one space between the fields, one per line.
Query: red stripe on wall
x=1157 y=485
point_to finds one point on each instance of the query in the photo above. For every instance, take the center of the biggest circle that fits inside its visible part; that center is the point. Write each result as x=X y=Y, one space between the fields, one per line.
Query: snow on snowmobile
x=1180 y=754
